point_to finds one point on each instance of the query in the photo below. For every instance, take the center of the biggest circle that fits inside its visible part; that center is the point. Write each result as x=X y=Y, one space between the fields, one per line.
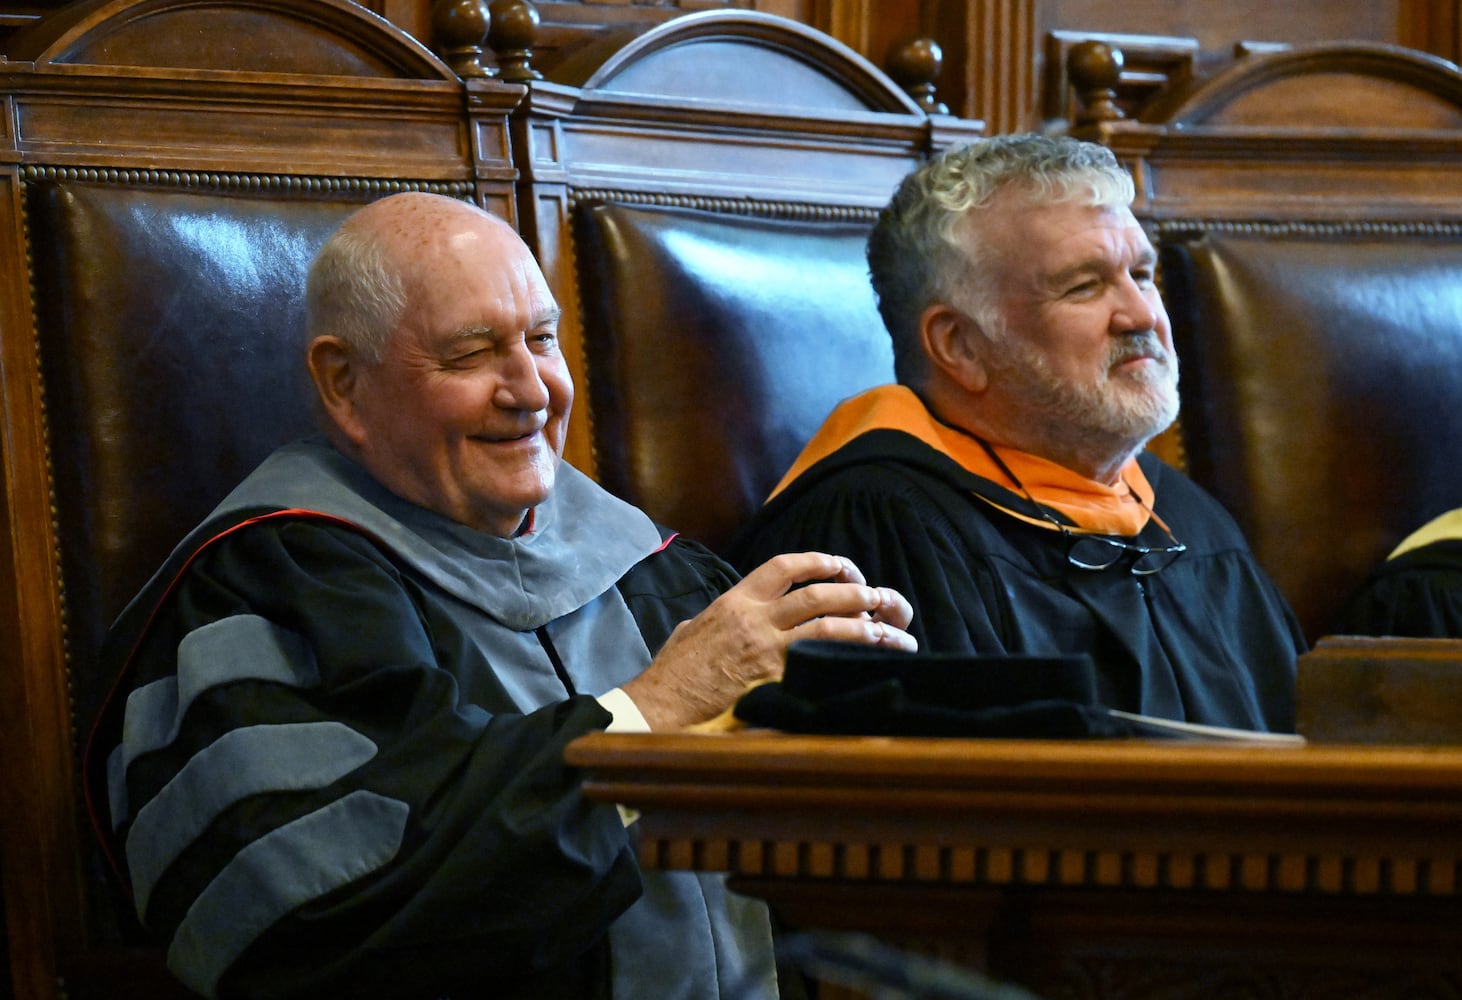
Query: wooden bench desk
x=1080 y=869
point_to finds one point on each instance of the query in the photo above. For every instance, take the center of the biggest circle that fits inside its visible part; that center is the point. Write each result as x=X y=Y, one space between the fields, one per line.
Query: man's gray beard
x=1119 y=414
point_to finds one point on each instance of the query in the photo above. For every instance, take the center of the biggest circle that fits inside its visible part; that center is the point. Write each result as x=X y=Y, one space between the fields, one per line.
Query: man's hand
x=741 y=640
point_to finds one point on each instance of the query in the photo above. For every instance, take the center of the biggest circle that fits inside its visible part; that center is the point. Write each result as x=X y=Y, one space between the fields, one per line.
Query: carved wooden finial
x=459 y=28
x=914 y=65
x=512 y=36
x=1095 y=68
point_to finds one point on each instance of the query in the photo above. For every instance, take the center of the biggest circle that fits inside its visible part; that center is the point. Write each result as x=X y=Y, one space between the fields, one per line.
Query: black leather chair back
x=171 y=334
x=1322 y=390
x=716 y=345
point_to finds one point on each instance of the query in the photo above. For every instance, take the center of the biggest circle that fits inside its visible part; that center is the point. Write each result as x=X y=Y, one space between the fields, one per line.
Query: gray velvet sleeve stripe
x=277 y=874
x=251 y=761
x=116 y=787
x=242 y=647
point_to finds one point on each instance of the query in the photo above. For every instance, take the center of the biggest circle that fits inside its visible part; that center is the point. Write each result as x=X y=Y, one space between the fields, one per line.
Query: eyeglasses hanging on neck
x=1100 y=552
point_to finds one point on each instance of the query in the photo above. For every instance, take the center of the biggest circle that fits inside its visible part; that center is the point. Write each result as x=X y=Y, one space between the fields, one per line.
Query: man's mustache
x=1141 y=345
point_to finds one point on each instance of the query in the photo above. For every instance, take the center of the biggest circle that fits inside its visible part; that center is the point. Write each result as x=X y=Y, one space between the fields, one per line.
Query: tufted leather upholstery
x=1322 y=391
x=717 y=344
x=171 y=335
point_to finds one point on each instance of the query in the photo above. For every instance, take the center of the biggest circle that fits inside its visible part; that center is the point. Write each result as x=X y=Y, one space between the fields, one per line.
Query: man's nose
x=1136 y=310
x=520 y=385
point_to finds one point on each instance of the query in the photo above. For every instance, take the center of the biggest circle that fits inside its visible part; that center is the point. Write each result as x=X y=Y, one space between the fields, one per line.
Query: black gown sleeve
x=1417 y=594
x=674 y=585
x=460 y=855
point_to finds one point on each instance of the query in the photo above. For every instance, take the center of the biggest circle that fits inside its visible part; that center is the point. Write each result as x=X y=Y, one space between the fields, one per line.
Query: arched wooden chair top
x=1311 y=89
x=317 y=38
x=736 y=59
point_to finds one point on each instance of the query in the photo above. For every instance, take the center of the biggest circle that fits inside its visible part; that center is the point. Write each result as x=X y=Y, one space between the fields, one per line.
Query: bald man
x=339 y=767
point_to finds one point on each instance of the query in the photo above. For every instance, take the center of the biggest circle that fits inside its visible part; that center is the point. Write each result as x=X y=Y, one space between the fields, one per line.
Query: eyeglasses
x=1098 y=552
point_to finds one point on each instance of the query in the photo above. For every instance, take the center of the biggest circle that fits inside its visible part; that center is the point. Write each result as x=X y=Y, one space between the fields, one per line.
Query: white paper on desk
x=1197 y=731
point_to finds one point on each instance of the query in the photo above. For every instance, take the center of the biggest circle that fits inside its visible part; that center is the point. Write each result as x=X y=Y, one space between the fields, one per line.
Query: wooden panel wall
x=994 y=66
x=994 y=50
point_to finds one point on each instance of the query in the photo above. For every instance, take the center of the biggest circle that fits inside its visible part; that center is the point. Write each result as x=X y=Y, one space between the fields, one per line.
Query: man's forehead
x=1057 y=228
x=1073 y=224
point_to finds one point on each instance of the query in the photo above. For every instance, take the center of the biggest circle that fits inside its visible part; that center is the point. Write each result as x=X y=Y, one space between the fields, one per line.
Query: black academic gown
x=1416 y=594
x=342 y=772
x=1208 y=640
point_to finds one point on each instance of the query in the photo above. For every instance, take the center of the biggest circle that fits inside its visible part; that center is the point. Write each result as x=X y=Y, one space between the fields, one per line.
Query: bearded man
x=1003 y=484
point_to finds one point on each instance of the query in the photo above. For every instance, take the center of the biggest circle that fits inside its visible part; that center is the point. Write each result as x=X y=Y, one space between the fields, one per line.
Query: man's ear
x=952 y=345
x=336 y=369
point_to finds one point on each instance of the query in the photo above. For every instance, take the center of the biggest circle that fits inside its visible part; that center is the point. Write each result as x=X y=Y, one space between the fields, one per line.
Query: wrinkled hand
x=741 y=640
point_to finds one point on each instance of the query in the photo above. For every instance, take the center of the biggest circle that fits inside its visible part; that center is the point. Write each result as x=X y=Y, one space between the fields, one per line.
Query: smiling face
x=467 y=410
x=1082 y=356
